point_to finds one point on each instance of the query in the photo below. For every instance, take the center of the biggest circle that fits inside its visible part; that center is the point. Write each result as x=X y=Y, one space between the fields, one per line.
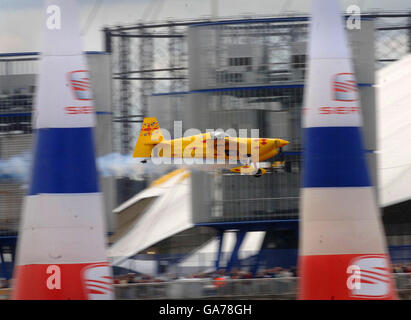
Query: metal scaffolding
x=125 y=109
x=162 y=60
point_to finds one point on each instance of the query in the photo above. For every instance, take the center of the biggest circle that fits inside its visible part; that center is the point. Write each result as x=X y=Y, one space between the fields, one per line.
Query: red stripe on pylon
x=33 y=282
x=324 y=277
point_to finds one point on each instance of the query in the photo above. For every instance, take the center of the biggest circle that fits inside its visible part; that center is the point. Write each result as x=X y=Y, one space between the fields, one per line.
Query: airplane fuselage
x=229 y=148
x=216 y=146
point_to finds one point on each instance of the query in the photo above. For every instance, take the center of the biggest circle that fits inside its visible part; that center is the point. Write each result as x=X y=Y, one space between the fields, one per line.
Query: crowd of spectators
x=4 y=283
x=276 y=272
x=135 y=278
x=401 y=268
x=235 y=273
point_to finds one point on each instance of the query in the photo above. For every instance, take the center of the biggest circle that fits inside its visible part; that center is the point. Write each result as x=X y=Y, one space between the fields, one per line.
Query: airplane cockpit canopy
x=219 y=135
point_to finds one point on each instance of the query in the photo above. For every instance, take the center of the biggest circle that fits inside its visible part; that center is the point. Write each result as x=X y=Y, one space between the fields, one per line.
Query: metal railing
x=206 y=288
x=264 y=288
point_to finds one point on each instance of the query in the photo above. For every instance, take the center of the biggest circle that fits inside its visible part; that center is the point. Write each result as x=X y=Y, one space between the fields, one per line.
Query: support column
x=107 y=40
x=125 y=92
x=220 y=247
x=234 y=256
x=256 y=265
x=146 y=57
x=409 y=34
x=3 y=267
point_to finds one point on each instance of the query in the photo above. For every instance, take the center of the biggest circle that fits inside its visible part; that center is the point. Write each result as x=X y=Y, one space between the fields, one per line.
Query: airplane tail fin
x=150 y=135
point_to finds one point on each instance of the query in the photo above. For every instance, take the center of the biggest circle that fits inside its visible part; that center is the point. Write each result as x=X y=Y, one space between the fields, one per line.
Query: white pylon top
x=327 y=31
x=64 y=98
x=61 y=28
x=331 y=97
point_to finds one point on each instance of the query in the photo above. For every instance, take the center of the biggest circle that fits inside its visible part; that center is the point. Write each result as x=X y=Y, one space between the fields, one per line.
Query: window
x=242 y=61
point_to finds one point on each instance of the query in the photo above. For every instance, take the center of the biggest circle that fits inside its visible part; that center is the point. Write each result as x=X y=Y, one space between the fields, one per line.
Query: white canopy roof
x=169 y=214
x=394 y=131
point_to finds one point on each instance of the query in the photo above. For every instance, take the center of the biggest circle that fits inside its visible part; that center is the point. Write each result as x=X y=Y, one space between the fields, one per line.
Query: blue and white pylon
x=61 y=251
x=342 y=251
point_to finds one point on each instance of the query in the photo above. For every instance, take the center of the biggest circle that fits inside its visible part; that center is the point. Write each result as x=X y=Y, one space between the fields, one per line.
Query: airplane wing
x=249 y=170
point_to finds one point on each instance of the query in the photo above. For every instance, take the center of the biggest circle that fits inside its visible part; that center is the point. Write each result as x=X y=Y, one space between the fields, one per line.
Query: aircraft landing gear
x=258 y=174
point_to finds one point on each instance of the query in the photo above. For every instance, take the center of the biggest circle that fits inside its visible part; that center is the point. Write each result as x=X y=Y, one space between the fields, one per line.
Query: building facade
x=248 y=74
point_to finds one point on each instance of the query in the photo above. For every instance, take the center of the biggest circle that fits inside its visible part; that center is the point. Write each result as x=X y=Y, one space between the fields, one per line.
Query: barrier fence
x=264 y=288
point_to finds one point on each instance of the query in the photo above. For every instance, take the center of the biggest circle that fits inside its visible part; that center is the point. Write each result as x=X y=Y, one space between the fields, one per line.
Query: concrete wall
x=100 y=72
x=18 y=81
x=363 y=51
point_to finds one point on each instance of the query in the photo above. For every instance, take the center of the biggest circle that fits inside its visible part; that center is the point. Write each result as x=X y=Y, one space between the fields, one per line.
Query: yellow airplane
x=210 y=145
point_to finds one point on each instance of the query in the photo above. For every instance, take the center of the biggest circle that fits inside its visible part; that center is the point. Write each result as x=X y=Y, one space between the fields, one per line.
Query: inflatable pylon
x=342 y=250
x=61 y=252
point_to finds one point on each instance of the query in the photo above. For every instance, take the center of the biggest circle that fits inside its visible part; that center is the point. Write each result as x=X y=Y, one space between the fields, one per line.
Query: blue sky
x=20 y=20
